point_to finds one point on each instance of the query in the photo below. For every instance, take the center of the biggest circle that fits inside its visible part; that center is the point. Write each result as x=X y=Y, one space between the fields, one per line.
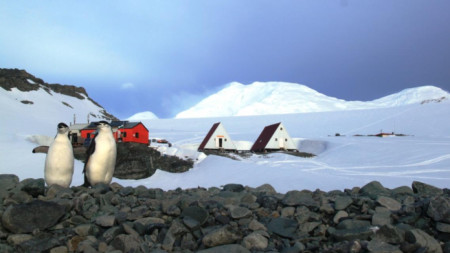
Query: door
x=281 y=143
x=220 y=142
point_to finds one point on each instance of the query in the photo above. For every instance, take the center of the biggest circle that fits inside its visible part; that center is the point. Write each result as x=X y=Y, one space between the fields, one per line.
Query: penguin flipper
x=90 y=150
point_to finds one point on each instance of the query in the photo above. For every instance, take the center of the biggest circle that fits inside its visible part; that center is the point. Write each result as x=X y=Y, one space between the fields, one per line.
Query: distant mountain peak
x=260 y=98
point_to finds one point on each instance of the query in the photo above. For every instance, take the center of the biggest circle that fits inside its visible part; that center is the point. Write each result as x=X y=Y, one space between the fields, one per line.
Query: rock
x=309 y=226
x=255 y=241
x=37 y=214
x=196 y=213
x=351 y=224
x=288 y=211
x=342 y=202
x=381 y=217
x=390 y=234
x=235 y=248
x=266 y=188
x=389 y=203
x=127 y=243
x=238 y=212
x=105 y=220
x=283 y=227
x=443 y=227
x=297 y=198
x=426 y=189
x=361 y=233
x=221 y=236
x=17 y=239
x=378 y=246
x=111 y=233
x=59 y=249
x=34 y=187
x=38 y=245
x=269 y=202
x=255 y=225
x=339 y=215
x=439 y=209
x=175 y=231
x=374 y=189
x=233 y=187
x=84 y=229
x=423 y=239
x=8 y=181
x=402 y=190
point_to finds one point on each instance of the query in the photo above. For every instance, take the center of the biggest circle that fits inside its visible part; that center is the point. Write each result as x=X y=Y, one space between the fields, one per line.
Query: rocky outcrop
x=234 y=218
x=24 y=81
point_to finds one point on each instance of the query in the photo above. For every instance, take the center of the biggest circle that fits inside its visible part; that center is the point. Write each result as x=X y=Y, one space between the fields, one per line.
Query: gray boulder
x=283 y=227
x=221 y=236
x=34 y=187
x=439 y=209
x=297 y=198
x=37 y=214
x=374 y=189
x=235 y=248
x=425 y=189
x=424 y=240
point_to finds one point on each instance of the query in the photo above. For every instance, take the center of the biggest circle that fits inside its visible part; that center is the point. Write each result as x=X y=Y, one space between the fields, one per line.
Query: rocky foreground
x=112 y=218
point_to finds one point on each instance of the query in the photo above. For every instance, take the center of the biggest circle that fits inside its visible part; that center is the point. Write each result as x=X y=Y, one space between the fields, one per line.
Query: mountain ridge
x=262 y=98
x=26 y=82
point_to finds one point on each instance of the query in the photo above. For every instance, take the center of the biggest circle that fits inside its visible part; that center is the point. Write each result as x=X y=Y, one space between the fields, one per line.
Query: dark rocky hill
x=24 y=81
x=233 y=218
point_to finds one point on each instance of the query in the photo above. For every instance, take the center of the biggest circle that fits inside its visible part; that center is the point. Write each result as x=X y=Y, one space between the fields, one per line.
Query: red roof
x=264 y=137
x=208 y=136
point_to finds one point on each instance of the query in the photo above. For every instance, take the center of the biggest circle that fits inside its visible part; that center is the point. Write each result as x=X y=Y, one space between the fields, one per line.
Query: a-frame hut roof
x=208 y=136
x=264 y=137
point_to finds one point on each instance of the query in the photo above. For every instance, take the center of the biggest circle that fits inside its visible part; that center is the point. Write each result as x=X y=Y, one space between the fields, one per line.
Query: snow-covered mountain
x=143 y=116
x=28 y=102
x=262 y=98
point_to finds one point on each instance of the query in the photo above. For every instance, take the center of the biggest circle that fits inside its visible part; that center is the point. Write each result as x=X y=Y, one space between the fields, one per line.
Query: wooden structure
x=217 y=138
x=274 y=137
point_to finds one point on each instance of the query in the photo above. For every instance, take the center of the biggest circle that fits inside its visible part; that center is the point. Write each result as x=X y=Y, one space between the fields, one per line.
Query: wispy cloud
x=127 y=86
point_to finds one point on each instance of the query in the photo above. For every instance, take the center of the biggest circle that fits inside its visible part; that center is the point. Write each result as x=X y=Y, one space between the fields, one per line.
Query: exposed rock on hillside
x=235 y=218
x=24 y=81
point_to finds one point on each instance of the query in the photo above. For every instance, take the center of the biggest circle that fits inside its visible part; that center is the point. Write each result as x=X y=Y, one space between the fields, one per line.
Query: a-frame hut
x=273 y=137
x=217 y=138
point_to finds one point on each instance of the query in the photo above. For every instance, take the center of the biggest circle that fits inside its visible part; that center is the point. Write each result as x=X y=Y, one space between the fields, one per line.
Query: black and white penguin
x=101 y=156
x=59 y=160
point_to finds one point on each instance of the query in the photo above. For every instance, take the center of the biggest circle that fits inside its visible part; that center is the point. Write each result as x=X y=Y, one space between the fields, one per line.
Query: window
x=276 y=139
x=281 y=129
x=285 y=139
x=225 y=139
x=136 y=135
x=124 y=134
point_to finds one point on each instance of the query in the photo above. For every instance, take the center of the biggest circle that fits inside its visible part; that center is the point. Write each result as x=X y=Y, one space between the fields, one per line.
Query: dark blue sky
x=163 y=56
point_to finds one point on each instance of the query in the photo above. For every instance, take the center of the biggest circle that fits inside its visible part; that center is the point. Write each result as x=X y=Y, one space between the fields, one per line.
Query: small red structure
x=123 y=131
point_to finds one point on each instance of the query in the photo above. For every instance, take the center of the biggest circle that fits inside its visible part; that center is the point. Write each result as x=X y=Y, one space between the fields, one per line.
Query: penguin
x=59 y=160
x=101 y=156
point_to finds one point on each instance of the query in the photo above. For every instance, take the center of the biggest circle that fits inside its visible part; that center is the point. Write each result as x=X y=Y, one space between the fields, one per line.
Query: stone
x=339 y=215
x=374 y=189
x=127 y=243
x=426 y=189
x=221 y=236
x=17 y=239
x=111 y=233
x=105 y=220
x=360 y=233
x=439 y=209
x=342 y=202
x=38 y=245
x=59 y=249
x=256 y=225
x=377 y=246
x=402 y=190
x=175 y=231
x=269 y=202
x=381 y=218
x=351 y=224
x=235 y=248
x=233 y=187
x=37 y=214
x=34 y=187
x=198 y=214
x=8 y=181
x=423 y=239
x=443 y=227
x=266 y=188
x=283 y=227
x=309 y=226
x=288 y=211
x=390 y=234
x=299 y=198
x=238 y=212
x=389 y=203
x=255 y=241
x=84 y=229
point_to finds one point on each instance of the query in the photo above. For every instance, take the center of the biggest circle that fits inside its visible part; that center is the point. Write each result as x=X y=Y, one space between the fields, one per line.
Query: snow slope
x=341 y=162
x=142 y=116
x=261 y=98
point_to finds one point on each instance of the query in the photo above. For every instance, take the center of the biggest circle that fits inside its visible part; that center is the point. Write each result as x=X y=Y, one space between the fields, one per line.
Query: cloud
x=127 y=86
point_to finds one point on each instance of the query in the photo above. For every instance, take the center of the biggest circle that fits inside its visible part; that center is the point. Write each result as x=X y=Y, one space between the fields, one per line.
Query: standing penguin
x=101 y=156
x=59 y=160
